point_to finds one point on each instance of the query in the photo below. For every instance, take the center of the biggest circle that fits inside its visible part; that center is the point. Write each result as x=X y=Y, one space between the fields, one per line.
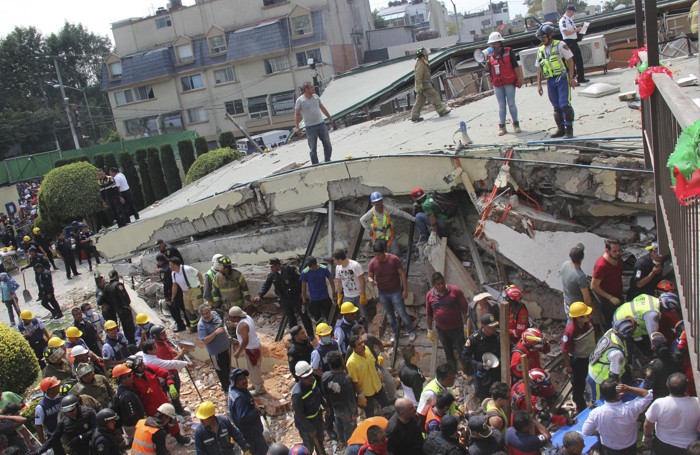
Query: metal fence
x=30 y=166
x=664 y=115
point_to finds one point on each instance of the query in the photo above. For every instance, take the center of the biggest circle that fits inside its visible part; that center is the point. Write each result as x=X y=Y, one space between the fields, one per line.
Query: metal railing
x=664 y=116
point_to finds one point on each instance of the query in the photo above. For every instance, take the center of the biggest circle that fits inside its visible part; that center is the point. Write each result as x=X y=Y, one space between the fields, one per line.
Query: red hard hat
x=532 y=338
x=514 y=293
x=417 y=193
x=48 y=383
x=539 y=378
x=666 y=286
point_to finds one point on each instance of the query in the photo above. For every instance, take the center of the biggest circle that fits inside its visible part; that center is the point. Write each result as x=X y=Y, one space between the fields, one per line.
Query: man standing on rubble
x=485 y=340
x=115 y=292
x=424 y=87
x=247 y=343
x=186 y=289
x=314 y=291
x=288 y=288
x=349 y=281
x=244 y=413
x=377 y=221
x=300 y=348
x=574 y=281
x=212 y=333
x=607 y=279
x=309 y=106
x=448 y=306
x=232 y=286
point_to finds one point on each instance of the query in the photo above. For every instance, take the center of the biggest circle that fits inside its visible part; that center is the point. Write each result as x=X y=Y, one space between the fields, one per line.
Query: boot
x=516 y=127
x=502 y=130
x=569 y=131
x=559 y=120
x=560 y=132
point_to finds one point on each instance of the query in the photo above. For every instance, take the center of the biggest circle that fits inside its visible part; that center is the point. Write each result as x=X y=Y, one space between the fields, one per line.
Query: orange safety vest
x=143 y=439
x=430 y=417
x=382 y=230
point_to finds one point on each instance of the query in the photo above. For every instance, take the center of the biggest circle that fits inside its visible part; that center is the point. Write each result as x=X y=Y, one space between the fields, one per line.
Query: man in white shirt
x=309 y=106
x=247 y=344
x=349 y=281
x=150 y=358
x=673 y=421
x=569 y=32
x=187 y=289
x=615 y=421
x=124 y=191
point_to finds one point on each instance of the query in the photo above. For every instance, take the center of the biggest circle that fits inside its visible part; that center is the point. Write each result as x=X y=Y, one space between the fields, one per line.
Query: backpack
x=444 y=204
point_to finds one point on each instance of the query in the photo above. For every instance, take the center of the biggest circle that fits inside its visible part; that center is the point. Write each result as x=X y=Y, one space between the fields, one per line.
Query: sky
x=49 y=15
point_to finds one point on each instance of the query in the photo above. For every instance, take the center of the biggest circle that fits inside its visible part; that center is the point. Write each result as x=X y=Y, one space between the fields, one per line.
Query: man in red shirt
x=607 y=279
x=387 y=273
x=446 y=305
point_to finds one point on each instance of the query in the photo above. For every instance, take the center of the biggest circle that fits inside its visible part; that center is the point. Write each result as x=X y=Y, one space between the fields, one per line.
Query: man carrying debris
x=116 y=293
x=231 y=286
x=244 y=413
x=248 y=344
x=314 y=291
x=485 y=340
x=288 y=288
x=187 y=282
x=424 y=87
x=607 y=279
x=446 y=305
x=349 y=281
x=213 y=334
x=308 y=405
x=377 y=221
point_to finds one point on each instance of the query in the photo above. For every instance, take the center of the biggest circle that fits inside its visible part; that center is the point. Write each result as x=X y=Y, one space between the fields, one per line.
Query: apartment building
x=185 y=68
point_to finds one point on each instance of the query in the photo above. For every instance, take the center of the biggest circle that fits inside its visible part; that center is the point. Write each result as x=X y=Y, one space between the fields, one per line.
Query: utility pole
x=459 y=30
x=65 y=104
x=314 y=74
x=46 y=104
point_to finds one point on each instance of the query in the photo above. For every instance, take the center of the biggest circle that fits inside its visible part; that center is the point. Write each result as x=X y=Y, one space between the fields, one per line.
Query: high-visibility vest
x=554 y=65
x=599 y=362
x=637 y=308
x=430 y=417
x=382 y=229
x=143 y=439
x=436 y=388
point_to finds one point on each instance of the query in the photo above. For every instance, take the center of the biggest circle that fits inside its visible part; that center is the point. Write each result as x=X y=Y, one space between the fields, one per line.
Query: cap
x=478 y=425
x=295 y=330
x=275 y=261
x=237 y=372
x=482 y=296
x=489 y=320
x=236 y=312
x=571 y=8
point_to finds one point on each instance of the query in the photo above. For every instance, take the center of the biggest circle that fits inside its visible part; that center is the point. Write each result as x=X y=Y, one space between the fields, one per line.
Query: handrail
x=683 y=108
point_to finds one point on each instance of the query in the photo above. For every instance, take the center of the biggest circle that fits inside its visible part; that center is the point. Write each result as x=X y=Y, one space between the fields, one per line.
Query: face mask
x=326 y=339
x=657 y=262
x=90 y=313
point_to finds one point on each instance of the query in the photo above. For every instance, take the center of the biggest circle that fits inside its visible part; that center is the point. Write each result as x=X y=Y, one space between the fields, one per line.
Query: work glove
x=363 y=299
x=340 y=300
x=334 y=386
x=432 y=240
x=362 y=401
x=172 y=391
x=380 y=360
x=431 y=335
x=466 y=330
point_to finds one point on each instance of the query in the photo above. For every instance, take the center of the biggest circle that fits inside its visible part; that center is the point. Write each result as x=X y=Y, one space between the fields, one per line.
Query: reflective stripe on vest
x=383 y=229
x=143 y=439
x=307 y=395
x=637 y=308
x=215 y=296
x=599 y=365
x=554 y=65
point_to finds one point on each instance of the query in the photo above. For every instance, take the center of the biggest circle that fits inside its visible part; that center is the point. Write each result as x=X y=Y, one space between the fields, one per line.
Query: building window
x=234 y=107
x=184 y=53
x=197 y=115
x=123 y=97
x=499 y=23
x=144 y=93
x=282 y=103
x=257 y=106
x=172 y=122
x=217 y=44
x=224 y=75
x=304 y=56
x=162 y=22
x=301 y=26
x=192 y=82
x=115 y=70
x=144 y=126
x=276 y=64
x=137 y=94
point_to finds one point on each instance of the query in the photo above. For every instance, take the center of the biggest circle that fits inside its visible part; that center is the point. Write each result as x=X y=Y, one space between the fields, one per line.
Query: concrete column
x=331 y=221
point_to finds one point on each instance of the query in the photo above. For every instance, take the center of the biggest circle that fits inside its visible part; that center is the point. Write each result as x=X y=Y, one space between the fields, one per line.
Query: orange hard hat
x=120 y=370
x=48 y=383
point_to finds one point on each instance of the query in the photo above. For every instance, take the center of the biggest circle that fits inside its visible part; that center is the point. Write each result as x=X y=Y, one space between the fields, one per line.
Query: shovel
x=26 y=294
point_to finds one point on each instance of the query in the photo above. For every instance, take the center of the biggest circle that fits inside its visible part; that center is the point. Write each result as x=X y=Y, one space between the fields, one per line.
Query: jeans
x=306 y=437
x=315 y=132
x=503 y=94
x=345 y=424
x=452 y=341
x=363 y=311
x=320 y=309
x=392 y=301
x=423 y=225
x=380 y=399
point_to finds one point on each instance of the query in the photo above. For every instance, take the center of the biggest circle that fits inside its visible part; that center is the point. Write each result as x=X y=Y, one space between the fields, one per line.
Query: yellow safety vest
x=554 y=65
x=637 y=308
x=382 y=229
x=433 y=386
x=599 y=362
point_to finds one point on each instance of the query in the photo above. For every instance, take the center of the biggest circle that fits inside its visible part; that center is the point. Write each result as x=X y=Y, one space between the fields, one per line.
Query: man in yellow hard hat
x=35 y=333
x=143 y=328
x=43 y=242
x=56 y=363
x=578 y=341
x=216 y=434
x=114 y=351
x=343 y=328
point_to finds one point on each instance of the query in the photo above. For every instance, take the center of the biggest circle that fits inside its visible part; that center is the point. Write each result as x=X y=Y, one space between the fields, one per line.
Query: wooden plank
x=456 y=274
x=505 y=341
x=525 y=369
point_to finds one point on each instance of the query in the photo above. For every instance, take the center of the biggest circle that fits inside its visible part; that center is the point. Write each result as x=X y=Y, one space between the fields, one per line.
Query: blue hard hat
x=376 y=196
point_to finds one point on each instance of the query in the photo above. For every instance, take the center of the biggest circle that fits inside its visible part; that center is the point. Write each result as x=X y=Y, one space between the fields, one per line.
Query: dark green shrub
x=170 y=169
x=19 y=367
x=48 y=227
x=200 y=144
x=99 y=160
x=132 y=178
x=111 y=160
x=148 y=196
x=227 y=139
x=75 y=159
x=155 y=170
x=69 y=192
x=186 y=154
x=210 y=162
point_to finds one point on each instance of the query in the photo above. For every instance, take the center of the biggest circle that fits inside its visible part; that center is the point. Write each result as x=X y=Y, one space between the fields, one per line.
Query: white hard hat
x=78 y=350
x=495 y=37
x=215 y=262
x=167 y=409
x=303 y=369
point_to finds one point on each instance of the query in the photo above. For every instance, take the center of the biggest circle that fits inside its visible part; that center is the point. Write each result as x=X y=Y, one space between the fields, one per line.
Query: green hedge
x=132 y=178
x=200 y=145
x=69 y=192
x=111 y=160
x=155 y=170
x=19 y=368
x=99 y=160
x=148 y=196
x=75 y=159
x=227 y=139
x=186 y=154
x=210 y=162
x=170 y=169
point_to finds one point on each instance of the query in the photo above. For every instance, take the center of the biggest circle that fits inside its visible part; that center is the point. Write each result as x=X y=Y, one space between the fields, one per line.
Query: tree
x=111 y=160
x=209 y=162
x=200 y=144
x=19 y=367
x=379 y=21
x=186 y=154
x=535 y=6
x=170 y=169
x=69 y=192
x=227 y=139
x=148 y=196
x=99 y=160
x=132 y=178
x=160 y=190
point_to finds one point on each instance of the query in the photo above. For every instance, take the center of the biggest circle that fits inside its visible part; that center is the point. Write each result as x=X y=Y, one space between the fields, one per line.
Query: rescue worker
x=670 y=306
x=648 y=273
x=485 y=340
x=47 y=295
x=88 y=332
x=531 y=343
x=577 y=343
x=247 y=343
x=107 y=439
x=35 y=333
x=86 y=245
x=661 y=366
x=150 y=433
x=307 y=404
x=169 y=251
x=65 y=249
x=244 y=413
x=116 y=293
x=444 y=401
x=74 y=428
x=232 y=287
x=647 y=311
x=343 y=327
x=505 y=76
x=143 y=328
x=105 y=304
x=326 y=344
x=216 y=435
x=46 y=411
x=377 y=221
x=518 y=315
x=93 y=385
x=424 y=87
x=126 y=403
x=445 y=376
x=85 y=400
x=175 y=306
x=186 y=290
x=114 y=351
x=495 y=406
x=43 y=242
x=610 y=357
x=300 y=348
x=166 y=353
x=287 y=284
x=556 y=64
x=431 y=222
x=447 y=441
x=56 y=363
x=542 y=396
x=147 y=384
x=210 y=292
